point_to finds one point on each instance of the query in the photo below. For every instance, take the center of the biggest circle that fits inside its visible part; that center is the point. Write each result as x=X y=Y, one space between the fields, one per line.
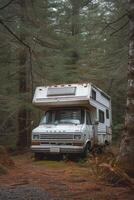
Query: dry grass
x=3 y=170
x=5 y=161
x=73 y=180
x=105 y=167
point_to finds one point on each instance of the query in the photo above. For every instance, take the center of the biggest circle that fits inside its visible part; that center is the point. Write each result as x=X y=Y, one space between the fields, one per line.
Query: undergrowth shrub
x=5 y=160
x=3 y=170
x=105 y=167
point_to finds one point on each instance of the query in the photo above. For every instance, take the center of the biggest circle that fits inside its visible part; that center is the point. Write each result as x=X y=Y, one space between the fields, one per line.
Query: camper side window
x=101 y=116
x=93 y=94
x=107 y=113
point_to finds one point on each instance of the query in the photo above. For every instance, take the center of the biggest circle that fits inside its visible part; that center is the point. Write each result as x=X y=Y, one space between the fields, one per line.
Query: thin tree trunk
x=75 y=17
x=126 y=154
x=75 y=29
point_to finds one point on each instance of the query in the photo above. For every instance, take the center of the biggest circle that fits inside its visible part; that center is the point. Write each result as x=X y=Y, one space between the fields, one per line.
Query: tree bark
x=24 y=122
x=75 y=29
x=126 y=154
x=75 y=17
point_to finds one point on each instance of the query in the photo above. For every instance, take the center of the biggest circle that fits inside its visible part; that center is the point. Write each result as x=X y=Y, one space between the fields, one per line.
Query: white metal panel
x=100 y=98
x=80 y=96
x=102 y=103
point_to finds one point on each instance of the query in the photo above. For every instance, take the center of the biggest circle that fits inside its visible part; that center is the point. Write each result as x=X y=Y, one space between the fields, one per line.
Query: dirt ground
x=63 y=180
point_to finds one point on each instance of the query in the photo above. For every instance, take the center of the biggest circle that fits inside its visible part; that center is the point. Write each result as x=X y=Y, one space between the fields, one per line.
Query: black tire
x=38 y=156
x=87 y=150
x=97 y=150
x=107 y=143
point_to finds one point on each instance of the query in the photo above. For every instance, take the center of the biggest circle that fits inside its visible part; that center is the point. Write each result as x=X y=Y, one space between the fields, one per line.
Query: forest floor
x=63 y=180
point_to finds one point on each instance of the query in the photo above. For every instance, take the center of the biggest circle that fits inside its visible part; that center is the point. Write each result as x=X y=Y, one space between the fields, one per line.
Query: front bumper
x=56 y=149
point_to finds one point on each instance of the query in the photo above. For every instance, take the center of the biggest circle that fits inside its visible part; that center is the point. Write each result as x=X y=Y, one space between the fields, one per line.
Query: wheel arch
x=88 y=142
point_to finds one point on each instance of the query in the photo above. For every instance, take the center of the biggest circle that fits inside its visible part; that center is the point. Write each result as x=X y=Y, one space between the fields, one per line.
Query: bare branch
x=113 y=22
x=6 y=5
x=123 y=26
x=6 y=120
x=117 y=20
x=24 y=44
x=80 y=4
x=85 y=3
x=46 y=43
x=13 y=34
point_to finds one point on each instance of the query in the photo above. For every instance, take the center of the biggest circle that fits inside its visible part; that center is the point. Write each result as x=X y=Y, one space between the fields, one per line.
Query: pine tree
x=126 y=155
x=24 y=83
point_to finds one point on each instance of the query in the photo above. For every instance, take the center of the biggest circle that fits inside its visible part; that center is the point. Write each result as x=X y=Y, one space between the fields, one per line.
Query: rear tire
x=97 y=150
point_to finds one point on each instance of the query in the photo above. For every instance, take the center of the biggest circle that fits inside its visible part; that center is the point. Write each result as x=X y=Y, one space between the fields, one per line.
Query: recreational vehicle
x=76 y=118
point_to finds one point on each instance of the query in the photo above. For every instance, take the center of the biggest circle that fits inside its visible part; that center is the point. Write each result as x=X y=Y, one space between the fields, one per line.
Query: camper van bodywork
x=77 y=101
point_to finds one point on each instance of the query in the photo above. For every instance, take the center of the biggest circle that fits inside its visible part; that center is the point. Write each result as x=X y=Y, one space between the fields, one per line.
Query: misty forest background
x=46 y=42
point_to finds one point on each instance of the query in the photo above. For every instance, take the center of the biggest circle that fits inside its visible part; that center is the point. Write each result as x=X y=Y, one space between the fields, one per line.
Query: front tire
x=38 y=156
x=87 y=150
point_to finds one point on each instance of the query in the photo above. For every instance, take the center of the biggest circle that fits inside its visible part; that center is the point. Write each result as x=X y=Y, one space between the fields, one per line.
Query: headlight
x=77 y=137
x=35 y=137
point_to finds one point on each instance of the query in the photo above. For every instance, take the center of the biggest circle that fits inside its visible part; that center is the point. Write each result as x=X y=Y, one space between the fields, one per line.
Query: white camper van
x=76 y=118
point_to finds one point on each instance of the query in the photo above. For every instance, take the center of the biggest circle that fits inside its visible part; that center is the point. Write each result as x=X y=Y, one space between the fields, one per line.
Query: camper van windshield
x=64 y=116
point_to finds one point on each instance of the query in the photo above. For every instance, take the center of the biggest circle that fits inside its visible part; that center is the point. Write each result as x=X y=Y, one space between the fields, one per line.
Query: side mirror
x=96 y=122
x=56 y=123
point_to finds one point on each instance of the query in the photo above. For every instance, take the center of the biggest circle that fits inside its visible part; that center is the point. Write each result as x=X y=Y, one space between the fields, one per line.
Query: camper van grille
x=56 y=136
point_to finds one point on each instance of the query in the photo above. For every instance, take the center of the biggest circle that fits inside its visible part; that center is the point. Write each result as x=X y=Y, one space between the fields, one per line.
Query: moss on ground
x=52 y=163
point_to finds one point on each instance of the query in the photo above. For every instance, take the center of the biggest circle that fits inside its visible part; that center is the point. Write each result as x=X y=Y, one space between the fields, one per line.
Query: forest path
x=62 y=180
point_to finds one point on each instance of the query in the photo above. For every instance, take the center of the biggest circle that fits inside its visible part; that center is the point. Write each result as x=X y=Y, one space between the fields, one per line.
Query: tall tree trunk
x=24 y=86
x=75 y=30
x=75 y=17
x=126 y=154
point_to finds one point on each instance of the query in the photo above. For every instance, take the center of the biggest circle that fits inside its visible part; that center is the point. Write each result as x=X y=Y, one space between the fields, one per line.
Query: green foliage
x=117 y=131
x=92 y=54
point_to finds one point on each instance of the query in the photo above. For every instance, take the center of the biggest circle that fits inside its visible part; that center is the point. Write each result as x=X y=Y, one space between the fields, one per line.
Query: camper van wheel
x=99 y=149
x=86 y=150
x=38 y=156
x=106 y=143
